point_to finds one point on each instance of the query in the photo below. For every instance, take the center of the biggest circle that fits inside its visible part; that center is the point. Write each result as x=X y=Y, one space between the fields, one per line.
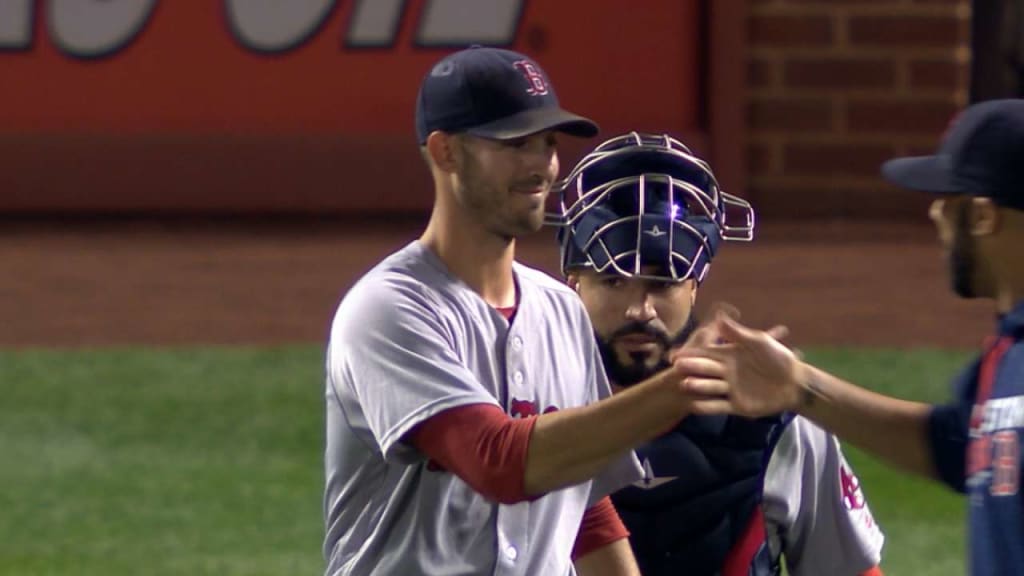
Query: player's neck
x=1008 y=294
x=482 y=260
x=1004 y=261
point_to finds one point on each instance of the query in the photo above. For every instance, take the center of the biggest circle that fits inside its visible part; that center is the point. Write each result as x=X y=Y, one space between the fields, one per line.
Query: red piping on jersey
x=987 y=374
x=741 y=556
x=481 y=445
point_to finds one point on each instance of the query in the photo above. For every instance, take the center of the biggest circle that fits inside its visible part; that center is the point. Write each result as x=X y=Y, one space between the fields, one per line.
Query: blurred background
x=188 y=187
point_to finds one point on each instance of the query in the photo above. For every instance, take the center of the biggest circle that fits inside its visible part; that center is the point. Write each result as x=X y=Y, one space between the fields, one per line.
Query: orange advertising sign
x=344 y=69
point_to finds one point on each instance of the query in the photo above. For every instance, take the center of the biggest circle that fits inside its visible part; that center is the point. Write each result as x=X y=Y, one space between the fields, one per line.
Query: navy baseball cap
x=492 y=93
x=981 y=155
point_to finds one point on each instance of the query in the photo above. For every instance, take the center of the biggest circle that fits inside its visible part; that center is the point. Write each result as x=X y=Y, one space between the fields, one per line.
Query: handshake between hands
x=728 y=368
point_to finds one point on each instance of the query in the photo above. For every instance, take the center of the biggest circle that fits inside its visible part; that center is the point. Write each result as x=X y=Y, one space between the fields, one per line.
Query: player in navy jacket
x=973 y=443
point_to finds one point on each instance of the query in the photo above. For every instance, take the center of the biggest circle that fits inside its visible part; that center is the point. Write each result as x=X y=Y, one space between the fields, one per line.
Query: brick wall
x=839 y=86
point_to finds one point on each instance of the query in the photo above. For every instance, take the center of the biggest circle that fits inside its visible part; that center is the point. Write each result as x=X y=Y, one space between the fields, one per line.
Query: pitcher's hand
x=761 y=376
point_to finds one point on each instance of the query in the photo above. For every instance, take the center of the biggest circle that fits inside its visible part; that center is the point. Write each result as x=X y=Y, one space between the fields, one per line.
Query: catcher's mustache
x=641 y=329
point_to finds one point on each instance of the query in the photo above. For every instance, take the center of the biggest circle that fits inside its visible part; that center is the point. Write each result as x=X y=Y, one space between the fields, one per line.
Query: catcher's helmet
x=645 y=200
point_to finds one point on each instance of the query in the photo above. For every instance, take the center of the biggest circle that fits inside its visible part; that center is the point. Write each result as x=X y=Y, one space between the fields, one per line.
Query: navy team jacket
x=976 y=446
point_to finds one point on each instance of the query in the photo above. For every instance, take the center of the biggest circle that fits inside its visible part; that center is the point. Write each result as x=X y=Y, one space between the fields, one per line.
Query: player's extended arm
x=510 y=460
x=892 y=429
x=573 y=445
x=765 y=377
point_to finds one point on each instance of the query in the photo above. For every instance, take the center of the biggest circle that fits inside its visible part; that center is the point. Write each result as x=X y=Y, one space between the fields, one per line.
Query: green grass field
x=208 y=461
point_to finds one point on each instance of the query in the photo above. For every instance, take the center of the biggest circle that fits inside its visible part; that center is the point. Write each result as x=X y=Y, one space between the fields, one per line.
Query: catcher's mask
x=643 y=205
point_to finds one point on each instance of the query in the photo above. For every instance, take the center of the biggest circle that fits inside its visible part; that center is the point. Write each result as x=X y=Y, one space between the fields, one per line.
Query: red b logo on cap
x=538 y=86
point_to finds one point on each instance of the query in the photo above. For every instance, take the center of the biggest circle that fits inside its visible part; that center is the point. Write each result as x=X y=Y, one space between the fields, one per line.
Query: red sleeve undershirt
x=600 y=527
x=481 y=445
x=487 y=450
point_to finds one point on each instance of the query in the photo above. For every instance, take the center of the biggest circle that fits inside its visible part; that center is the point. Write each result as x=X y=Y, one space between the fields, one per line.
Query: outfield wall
x=231 y=106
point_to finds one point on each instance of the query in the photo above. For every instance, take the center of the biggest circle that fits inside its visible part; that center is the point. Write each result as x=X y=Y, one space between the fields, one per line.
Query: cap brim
x=932 y=174
x=536 y=120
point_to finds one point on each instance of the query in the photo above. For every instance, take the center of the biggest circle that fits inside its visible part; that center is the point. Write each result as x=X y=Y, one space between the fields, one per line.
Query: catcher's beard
x=638 y=370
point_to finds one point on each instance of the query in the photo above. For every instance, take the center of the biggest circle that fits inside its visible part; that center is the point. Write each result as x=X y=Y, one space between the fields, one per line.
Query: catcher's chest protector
x=702 y=484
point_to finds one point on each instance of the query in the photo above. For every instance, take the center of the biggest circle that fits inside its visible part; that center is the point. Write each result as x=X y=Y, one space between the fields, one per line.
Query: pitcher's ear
x=441 y=150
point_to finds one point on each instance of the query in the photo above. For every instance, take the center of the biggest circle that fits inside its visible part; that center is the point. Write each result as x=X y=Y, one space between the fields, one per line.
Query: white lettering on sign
x=15 y=24
x=96 y=28
x=374 y=23
x=90 y=28
x=276 y=25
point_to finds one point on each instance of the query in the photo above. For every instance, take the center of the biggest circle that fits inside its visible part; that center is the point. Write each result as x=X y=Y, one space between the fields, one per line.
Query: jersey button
x=517 y=343
x=511 y=553
x=517 y=377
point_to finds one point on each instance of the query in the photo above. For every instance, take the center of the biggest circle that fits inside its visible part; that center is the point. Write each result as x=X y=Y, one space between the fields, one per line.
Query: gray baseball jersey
x=408 y=341
x=815 y=512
